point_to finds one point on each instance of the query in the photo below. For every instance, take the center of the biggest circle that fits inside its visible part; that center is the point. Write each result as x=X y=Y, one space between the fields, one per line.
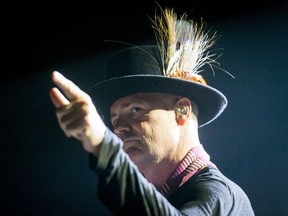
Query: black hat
x=144 y=69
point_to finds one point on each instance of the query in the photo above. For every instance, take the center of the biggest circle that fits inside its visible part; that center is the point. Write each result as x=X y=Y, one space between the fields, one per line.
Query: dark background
x=44 y=173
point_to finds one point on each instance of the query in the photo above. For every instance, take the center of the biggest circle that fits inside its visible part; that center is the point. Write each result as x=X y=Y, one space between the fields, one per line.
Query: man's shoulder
x=209 y=187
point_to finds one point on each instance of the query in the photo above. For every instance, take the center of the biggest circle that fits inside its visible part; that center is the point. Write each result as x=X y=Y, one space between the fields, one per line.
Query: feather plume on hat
x=183 y=46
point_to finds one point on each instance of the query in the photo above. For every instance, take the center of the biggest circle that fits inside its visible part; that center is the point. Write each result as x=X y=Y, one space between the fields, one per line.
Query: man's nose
x=122 y=124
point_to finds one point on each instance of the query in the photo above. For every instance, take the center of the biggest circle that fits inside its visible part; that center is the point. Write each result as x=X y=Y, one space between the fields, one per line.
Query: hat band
x=187 y=76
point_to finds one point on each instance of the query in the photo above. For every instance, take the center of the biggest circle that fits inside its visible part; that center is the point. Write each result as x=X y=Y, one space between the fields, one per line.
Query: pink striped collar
x=195 y=160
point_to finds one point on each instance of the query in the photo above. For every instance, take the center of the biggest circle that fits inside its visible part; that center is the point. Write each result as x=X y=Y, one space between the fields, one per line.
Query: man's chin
x=133 y=151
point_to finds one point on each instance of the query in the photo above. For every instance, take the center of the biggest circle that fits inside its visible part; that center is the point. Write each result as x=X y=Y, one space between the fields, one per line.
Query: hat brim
x=210 y=101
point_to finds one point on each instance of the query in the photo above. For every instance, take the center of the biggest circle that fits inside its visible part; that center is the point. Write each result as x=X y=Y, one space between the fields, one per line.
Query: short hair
x=195 y=109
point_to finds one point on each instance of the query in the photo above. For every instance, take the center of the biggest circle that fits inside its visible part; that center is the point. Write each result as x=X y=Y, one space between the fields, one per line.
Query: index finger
x=70 y=90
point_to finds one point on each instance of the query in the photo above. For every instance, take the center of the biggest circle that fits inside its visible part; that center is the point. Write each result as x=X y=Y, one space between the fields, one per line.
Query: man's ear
x=182 y=110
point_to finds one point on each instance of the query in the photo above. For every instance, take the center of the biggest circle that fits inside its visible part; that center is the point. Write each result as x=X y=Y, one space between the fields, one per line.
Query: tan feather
x=184 y=44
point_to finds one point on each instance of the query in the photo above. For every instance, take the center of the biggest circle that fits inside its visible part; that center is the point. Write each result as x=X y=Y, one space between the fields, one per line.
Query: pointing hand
x=76 y=113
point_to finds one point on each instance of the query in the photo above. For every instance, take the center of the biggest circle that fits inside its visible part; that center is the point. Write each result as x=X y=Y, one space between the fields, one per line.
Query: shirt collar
x=195 y=160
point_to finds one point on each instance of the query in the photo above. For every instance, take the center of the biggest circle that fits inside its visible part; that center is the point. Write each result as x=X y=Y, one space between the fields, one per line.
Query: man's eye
x=113 y=122
x=136 y=109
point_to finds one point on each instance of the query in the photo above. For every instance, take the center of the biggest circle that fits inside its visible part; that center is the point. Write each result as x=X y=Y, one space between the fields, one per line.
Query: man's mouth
x=129 y=143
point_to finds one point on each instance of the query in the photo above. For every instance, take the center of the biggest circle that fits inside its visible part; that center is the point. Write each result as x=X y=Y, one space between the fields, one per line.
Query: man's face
x=147 y=126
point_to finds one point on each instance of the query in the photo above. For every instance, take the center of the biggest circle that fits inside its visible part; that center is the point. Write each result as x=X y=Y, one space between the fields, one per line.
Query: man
x=153 y=162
